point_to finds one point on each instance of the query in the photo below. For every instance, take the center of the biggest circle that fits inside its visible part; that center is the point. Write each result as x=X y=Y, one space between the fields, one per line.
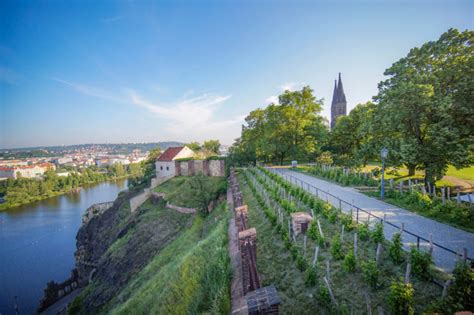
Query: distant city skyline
x=123 y=72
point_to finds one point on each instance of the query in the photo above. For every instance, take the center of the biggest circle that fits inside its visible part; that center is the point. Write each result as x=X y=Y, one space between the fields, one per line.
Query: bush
x=396 y=248
x=377 y=233
x=461 y=291
x=336 y=248
x=420 y=263
x=311 y=277
x=370 y=273
x=349 y=263
x=301 y=263
x=323 y=294
x=346 y=220
x=400 y=298
x=364 y=231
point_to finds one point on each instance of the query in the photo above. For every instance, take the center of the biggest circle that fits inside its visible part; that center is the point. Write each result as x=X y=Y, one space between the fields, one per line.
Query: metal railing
x=359 y=213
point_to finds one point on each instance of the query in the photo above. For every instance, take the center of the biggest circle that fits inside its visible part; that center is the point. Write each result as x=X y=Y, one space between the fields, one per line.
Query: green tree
x=195 y=146
x=211 y=146
x=425 y=107
x=154 y=154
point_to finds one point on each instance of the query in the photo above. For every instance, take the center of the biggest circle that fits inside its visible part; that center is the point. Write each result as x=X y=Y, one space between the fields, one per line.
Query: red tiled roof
x=169 y=154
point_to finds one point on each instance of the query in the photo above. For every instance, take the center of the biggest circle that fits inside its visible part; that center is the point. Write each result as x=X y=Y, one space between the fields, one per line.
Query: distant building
x=13 y=162
x=165 y=165
x=339 y=103
x=62 y=160
x=25 y=171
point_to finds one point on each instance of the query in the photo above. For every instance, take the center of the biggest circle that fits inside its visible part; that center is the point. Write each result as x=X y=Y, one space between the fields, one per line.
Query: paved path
x=443 y=234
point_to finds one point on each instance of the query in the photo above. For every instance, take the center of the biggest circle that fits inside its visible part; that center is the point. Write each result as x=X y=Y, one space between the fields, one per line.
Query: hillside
x=158 y=259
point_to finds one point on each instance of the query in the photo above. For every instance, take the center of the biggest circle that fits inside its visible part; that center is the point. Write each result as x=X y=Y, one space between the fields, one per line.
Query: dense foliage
x=25 y=190
x=422 y=113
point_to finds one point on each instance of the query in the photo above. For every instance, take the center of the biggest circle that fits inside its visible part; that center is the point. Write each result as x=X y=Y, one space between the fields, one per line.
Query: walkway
x=443 y=234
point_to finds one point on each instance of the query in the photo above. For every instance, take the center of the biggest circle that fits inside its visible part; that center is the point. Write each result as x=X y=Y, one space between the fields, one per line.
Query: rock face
x=116 y=245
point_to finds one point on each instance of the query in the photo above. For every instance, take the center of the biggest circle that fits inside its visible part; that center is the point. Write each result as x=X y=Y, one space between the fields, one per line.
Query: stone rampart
x=138 y=200
x=204 y=167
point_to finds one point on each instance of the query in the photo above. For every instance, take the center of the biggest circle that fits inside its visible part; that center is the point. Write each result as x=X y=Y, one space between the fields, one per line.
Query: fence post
x=357 y=216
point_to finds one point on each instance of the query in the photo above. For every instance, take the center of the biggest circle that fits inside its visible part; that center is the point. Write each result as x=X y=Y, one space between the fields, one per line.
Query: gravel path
x=443 y=234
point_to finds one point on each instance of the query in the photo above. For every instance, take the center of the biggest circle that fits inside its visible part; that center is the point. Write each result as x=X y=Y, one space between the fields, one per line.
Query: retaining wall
x=138 y=200
x=205 y=167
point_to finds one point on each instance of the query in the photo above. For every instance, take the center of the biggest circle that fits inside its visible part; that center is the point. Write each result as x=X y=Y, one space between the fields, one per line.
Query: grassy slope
x=276 y=266
x=180 y=271
x=174 y=189
x=192 y=274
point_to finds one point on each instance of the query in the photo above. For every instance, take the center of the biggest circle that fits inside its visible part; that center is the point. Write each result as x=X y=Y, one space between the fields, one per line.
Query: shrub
x=400 y=298
x=364 y=231
x=336 y=248
x=311 y=277
x=461 y=291
x=332 y=216
x=301 y=263
x=377 y=233
x=313 y=230
x=396 y=248
x=370 y=273
x=321 y=241
x=349 y=263
x=421 y=262
x=323 y=294
x=346 y=220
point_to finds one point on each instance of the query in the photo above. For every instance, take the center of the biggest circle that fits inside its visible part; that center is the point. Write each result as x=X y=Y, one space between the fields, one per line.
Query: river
x=37 y=243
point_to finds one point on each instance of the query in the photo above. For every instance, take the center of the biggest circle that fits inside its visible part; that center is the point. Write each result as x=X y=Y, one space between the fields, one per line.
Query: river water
x=37 y=244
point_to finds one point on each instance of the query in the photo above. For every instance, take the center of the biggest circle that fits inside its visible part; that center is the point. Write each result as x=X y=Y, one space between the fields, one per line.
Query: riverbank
x=39 y=240
x=8 y=206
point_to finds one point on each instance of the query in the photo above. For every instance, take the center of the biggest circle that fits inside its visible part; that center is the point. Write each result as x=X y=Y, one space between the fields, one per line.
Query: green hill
x=164 y=262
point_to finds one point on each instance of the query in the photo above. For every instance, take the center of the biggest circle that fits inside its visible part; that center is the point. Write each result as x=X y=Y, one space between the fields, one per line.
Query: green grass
x=276 y=266
x=166 y=262
x=191 y=275
x=452 y=214
x=178 y=189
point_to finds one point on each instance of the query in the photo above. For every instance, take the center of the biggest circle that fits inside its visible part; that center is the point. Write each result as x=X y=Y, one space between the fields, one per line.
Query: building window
x=167 y=168
x=161 y=167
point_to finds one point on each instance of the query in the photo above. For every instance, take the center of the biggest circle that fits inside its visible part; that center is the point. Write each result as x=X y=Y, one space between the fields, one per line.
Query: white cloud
x=291 y=86
x=91 y=91
x=194 y=118
x=272 y=99
x=188 y=118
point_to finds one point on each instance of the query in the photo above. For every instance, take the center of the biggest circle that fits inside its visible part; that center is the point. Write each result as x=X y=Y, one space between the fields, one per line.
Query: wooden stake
x=320 y=230
x=379 y=252
x=407 y=273
x=315 y=259
x=326 y=281
x=342 y=233
x=355 y=244
x=304 y=246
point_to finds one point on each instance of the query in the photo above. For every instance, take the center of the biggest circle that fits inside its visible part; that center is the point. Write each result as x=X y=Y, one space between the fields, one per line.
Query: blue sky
x=141 y=71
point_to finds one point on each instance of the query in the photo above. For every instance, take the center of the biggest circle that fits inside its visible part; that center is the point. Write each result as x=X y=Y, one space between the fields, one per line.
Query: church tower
x=339 y=103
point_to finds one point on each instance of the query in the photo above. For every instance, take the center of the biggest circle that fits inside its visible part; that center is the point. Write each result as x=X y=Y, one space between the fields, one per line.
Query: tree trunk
x=411 y=169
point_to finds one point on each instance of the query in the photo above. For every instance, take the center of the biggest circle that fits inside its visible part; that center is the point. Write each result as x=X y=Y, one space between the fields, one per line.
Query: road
x=442 y=234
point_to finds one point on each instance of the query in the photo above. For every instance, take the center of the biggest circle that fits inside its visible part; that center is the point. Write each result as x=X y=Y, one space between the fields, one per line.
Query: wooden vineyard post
x=320 y=230
x=407 y=273
x=304 y=246
x=355 y=244
x=379 y=253
x=328 y=270
x=315 y=259
x=326 y=281
x=445 y=288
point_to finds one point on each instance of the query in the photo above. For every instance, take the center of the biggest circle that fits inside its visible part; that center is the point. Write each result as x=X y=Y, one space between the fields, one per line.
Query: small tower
x=339 y=103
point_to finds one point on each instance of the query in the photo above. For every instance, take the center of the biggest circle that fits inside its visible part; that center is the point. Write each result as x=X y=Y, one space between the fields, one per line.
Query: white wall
x=165 y=168
x=184 y=153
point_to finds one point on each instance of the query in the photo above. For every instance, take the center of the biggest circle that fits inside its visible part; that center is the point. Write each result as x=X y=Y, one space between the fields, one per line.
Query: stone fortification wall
x=138 y=200
x=95 y=210
x=205 y=167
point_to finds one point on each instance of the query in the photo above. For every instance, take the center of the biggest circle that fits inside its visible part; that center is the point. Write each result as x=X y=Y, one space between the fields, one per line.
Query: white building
x=25 y=171
x=165 y=165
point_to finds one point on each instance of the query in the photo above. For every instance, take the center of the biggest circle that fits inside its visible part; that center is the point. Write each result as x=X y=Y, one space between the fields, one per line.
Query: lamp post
x=383 y=154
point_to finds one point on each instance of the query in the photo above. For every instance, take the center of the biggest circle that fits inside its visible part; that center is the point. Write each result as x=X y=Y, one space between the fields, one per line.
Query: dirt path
x=464 y=185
